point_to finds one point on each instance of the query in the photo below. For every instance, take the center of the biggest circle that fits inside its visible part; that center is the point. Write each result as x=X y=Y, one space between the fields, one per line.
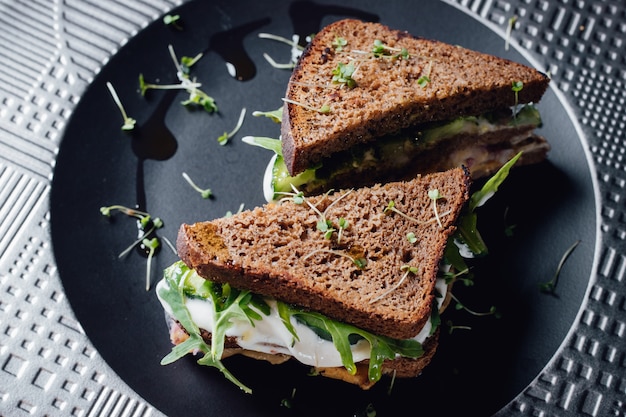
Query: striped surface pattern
x=51 y=49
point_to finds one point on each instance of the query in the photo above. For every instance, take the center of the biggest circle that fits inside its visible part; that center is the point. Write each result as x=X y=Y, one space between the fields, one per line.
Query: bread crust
x=387 y=97
x=276 y=250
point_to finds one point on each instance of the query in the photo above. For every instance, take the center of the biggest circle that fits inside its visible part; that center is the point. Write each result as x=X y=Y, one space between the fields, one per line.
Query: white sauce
x=270 y=335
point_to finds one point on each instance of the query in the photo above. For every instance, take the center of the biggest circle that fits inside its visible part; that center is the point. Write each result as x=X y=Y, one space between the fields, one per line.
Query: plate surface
x=551 y=206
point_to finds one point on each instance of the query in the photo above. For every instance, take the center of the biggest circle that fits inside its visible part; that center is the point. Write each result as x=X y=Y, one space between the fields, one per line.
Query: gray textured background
x=51 y=49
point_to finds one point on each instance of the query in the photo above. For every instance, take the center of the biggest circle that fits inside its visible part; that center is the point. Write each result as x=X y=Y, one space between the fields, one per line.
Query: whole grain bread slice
x=359 y=273
x=392 y=91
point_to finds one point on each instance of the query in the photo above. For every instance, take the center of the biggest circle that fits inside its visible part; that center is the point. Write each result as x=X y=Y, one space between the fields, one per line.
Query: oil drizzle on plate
x=229 y=45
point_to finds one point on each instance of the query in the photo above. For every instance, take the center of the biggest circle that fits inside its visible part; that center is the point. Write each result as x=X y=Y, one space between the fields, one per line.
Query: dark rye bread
x=276 y=250
x=387 y=96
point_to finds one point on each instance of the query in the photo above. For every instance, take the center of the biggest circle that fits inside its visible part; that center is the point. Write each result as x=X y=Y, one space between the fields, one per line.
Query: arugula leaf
x=228 y=304
x=274 y=115
x=491 y=186
x=341 y=334
x=467 y=232
x=264 y=142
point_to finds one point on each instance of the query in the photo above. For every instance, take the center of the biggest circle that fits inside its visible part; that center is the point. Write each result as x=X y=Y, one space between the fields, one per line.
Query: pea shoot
x=129 y=122
x=223 y=139
x=204 y=192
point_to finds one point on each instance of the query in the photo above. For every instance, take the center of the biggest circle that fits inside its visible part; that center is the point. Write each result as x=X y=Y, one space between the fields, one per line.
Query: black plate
x=551 y=205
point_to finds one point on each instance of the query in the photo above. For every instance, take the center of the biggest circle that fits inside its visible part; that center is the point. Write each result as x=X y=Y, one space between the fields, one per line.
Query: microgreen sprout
x=172 y=20
x=343 y=73
x=343 y=225
x=509 y=228
x=148 y=226
x=197 y=97
x=452 y=327
x=435 y=195
x=239 y=210
x=325 y=109
x=516 y=86
x=550 y=286
x=129 y=122
x=381 y=50
x=223 y=140
x=411 y=238
x=326 y=227
x=360 y=263
x=151 y=245
x=338 y=43
x=296 y=50
x=509 y=29
x=464 y=276
x=407 y=269
x=460 y=306
x=205 y=193
x=391 y=208
x=287 y=402
x=424 y=80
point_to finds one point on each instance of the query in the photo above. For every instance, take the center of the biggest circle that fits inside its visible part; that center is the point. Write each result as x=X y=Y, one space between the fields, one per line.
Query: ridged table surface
x=50 y=50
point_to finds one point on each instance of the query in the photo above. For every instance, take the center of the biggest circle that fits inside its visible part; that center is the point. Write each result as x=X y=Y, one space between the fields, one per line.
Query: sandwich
x=366 y=104
x=350 y=282
x=369 y=218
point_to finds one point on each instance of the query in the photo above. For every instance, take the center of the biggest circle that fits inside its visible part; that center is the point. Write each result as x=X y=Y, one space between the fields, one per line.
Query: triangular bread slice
x=436 y=81
x=277 y=250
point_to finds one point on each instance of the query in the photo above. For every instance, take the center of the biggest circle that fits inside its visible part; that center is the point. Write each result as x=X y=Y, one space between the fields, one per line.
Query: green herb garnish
x=223 y=139
x=197 y=97
x=274 y=115
x=380 y=49
x=550 y=286
x=342 y=74
x=148 y=225
x=129 y=122
x=228 y=305
x=204 y=192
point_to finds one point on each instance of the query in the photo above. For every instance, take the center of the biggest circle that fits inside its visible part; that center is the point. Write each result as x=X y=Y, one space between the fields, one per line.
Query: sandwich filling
x=481 y=143
x=274 y=333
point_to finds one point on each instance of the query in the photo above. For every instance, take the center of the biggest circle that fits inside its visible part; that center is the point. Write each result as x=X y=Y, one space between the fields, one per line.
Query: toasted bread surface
x=277 y=250
x=437 y=81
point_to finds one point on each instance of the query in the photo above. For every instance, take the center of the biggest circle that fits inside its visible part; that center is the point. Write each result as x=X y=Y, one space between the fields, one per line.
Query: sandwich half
x=366 y=104
x=348 y=282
